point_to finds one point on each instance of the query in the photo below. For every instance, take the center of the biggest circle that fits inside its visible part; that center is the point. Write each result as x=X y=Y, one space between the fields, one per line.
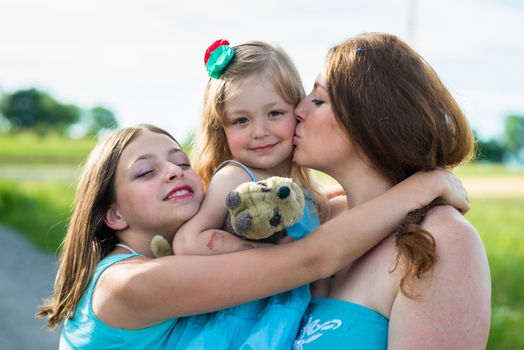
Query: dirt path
x=26 y=277
x=494 y=186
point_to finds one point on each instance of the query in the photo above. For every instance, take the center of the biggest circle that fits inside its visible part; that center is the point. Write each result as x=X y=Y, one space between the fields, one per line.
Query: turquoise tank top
x=86 y=331
x=333 y=324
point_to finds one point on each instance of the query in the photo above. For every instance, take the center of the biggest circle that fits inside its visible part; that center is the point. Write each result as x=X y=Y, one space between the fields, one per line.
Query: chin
x=300 y=159
x=188 y=212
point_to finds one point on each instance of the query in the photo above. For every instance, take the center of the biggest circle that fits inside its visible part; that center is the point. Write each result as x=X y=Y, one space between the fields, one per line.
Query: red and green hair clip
x=217 y=57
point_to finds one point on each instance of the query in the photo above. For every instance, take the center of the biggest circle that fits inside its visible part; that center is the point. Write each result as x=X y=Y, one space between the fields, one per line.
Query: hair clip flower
x=217 y=57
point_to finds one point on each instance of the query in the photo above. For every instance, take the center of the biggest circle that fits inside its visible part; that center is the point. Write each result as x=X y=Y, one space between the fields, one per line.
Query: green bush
x=38 y=211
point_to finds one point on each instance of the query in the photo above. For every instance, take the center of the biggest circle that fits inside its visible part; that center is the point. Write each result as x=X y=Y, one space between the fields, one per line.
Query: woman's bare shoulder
x=455 y=296
x=449 y=226
x=459 y=246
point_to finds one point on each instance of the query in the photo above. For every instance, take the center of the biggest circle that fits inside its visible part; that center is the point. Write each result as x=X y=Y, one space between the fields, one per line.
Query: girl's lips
x=263 y=148
x=179 y=192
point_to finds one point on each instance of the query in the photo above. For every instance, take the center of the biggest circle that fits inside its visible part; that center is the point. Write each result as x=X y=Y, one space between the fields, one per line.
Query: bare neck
x=138 y=241
x=361 y=182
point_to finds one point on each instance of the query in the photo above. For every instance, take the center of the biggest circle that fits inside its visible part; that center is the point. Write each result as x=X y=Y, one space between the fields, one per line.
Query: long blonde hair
x=88 y=239
x=251 y=58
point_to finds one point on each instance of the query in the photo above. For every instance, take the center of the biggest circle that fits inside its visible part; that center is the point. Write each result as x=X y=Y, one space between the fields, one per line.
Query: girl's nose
x=174 y=172
x=259 y=129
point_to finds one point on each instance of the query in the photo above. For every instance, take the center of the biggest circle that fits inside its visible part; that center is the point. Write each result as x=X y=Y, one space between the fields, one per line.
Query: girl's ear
x=114 y=220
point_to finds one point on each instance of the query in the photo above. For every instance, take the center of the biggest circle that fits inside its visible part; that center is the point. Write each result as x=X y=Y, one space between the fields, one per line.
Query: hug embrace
x=388 y=261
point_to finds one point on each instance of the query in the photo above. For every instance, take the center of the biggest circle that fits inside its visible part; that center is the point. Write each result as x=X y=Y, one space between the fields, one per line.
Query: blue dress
x=333 y=324
x=270 y=323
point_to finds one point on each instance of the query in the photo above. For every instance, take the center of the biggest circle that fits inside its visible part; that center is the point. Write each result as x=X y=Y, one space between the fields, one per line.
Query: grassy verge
x=501 y=225
x=31 y=148
x=39 y=211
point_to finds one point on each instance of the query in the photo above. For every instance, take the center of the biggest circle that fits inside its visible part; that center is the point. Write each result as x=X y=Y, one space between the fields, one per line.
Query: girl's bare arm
x=202 y=235
x=142 y=292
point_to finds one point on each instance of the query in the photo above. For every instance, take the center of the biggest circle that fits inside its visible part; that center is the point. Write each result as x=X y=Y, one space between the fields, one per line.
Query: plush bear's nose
x=276 y=218
x=283 y=192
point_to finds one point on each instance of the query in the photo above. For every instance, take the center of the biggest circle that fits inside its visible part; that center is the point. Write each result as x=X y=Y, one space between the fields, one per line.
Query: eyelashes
x=152 y=172
x=144 y=174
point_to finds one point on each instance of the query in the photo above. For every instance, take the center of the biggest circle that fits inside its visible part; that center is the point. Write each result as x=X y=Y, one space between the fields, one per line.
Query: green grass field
x=38 y=207
x=500 y=222
x=26 y=148
x=31 y=148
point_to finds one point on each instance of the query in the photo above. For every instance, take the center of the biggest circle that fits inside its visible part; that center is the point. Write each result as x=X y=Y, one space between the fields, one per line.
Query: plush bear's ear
x=160 y=246
x=114 y=220
x=233 y=200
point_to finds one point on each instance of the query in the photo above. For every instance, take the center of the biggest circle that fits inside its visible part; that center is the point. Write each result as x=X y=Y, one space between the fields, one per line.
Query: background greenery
x=37 y=183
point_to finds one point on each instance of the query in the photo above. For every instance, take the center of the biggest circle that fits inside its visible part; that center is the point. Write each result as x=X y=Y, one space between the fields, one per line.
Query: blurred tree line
x=507 y=148
x=37 y=111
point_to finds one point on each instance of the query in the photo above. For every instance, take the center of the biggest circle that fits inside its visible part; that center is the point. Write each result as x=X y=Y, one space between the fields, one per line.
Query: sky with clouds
x=144 y=59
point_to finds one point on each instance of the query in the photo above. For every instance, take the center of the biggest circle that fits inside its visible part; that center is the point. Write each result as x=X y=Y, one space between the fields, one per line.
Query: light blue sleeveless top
x=333 y=324
x=86 y=331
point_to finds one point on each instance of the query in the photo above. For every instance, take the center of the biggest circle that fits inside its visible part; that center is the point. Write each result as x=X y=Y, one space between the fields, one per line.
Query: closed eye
x=317 y=102
x=145 y=173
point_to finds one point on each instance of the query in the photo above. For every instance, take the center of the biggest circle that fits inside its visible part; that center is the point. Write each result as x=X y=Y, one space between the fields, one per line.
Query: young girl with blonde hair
x=246 y=134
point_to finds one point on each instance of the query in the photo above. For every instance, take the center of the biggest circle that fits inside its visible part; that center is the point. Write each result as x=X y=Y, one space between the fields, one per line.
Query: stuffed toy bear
x=257 y=211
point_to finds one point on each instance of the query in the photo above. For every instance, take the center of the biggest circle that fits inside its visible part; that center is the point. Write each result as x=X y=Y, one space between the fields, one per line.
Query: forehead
x=252 y=90
x=320 y=82
x=147 y=142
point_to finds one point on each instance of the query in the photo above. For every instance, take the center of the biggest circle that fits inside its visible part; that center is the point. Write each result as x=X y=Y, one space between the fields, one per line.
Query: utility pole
x=412 y=21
